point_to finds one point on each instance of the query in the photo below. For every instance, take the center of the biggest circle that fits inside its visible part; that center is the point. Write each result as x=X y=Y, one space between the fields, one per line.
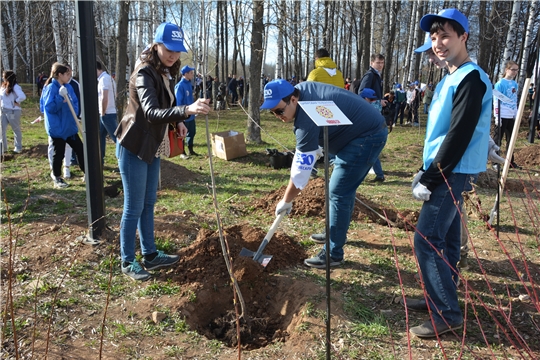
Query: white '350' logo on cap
x=268 y=93
x=177 y=34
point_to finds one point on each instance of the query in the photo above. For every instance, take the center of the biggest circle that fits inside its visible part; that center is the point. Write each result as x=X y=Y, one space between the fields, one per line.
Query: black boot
x=192 y=152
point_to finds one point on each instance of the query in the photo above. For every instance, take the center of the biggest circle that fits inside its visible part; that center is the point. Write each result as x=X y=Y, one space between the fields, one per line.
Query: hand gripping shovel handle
x=269 y=235
x=74 y=115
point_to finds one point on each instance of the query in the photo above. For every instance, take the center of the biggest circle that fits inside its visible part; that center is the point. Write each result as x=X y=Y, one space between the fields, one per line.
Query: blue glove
x=417 y=179
x=283 y=206
x=420 y=192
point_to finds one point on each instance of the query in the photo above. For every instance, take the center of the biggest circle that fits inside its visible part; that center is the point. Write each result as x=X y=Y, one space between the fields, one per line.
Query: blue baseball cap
x=171 y=36
x=274 y=91
x=425 y=47
x=186 y=69
x=449 y=14
x=368 y=93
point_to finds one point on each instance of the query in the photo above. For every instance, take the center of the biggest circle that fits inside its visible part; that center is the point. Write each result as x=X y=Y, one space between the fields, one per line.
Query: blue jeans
x=440 y=223
x=191 y=131
x=426 y=108
x=107 y=125
x=140 y=182
x=351 y=165
x=377 y=167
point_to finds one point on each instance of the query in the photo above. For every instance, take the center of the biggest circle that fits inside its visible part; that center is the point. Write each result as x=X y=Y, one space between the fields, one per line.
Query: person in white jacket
x=11 y=96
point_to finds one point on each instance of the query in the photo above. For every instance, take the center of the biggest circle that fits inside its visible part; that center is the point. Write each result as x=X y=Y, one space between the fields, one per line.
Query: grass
x=363 y=288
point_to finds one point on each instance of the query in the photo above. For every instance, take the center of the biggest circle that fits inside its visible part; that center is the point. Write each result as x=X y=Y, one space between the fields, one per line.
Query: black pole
x=499 y=143
x=90 y=116
x=327 y=240
x=534 y=114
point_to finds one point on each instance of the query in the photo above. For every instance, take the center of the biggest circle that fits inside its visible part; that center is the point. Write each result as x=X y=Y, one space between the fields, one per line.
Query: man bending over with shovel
x=355 y=146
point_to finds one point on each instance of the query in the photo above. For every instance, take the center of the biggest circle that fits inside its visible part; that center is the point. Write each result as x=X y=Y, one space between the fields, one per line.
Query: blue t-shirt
x=508 y=88
x=366 y=120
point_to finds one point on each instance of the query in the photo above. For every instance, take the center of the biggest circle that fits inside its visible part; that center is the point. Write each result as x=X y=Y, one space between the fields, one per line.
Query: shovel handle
x=269 y=235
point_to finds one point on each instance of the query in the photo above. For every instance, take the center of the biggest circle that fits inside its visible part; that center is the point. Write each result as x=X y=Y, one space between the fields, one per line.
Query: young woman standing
x=11 y=96
x=507 y=111
x=141 y=141
x=59 y=121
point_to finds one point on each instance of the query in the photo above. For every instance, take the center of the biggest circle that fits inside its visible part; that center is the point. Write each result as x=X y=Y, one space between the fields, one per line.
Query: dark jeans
x=191 y=131
x=400 y=110
x=507 y=125
x=59 y=146
x=413 y=113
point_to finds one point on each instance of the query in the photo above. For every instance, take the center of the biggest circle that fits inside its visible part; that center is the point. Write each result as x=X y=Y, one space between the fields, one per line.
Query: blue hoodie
x=59 y=122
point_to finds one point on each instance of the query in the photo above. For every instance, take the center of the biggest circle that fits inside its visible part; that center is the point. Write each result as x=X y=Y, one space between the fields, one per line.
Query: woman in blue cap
x=142 y=141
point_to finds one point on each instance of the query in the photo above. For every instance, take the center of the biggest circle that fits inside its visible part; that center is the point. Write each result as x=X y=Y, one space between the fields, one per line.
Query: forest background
x=272 y=38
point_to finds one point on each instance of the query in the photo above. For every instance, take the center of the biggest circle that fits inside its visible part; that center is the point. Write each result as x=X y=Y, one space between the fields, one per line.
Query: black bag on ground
x=280 y=160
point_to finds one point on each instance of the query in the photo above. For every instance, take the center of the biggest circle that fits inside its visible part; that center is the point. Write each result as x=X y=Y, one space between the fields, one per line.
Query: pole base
x=87 y=240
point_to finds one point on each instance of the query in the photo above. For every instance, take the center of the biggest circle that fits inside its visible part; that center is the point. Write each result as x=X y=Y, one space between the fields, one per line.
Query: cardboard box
x=228 y=145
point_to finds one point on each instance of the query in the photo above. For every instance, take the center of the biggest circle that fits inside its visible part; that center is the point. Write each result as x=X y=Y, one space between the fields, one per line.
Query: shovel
x=258 y=256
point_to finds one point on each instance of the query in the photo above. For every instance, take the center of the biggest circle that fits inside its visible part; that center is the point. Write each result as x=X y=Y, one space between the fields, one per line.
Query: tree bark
x=121 y=58
x=253 y=132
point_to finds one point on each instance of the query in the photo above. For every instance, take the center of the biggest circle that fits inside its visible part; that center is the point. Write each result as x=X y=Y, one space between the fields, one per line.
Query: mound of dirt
x=269 y=311
x=489 y=180
x=528 y=157
x=310 y=202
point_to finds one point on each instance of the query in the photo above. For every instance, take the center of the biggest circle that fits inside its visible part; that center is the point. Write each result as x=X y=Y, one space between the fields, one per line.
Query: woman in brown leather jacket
x=141 y=143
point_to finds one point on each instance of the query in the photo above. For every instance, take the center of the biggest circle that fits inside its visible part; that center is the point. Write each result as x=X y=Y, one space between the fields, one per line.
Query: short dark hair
x=295 y=93
x=99 y=66
x=322 y=52
x=439 y=25
x=376 y=57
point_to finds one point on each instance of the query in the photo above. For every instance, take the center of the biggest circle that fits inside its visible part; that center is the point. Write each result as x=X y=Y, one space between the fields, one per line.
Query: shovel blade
x=261 y=259
x=247 y=253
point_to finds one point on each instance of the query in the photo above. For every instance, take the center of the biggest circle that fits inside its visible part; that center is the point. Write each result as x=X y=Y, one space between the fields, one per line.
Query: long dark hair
x=10 y=79
x=151 y=57
x=56 y=69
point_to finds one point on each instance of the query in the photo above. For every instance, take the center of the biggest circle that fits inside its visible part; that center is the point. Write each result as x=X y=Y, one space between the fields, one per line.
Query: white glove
x=492 y=153
x=417 y=179
x=420 y=192
x=283 y=206
x=63 y=91
x=320 y=153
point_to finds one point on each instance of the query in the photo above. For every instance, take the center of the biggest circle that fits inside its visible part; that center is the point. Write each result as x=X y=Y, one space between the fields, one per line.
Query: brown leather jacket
x=144 y=123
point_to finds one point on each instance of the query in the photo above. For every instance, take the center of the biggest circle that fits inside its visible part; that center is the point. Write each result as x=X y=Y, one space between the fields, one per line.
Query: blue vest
x=474 y=159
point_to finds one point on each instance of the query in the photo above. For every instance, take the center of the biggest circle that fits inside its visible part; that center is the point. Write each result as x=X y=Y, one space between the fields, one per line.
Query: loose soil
x=275 y=300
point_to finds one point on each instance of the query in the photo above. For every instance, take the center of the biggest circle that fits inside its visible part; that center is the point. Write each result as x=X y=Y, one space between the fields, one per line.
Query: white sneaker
x=58 y=182
x=67 y=173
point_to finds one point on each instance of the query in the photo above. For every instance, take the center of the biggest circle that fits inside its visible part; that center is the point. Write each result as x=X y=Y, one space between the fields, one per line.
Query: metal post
x=327 y=240
x=90 y=116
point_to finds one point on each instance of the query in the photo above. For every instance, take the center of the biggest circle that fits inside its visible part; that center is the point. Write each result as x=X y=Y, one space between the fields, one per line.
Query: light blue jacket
x=59 y=121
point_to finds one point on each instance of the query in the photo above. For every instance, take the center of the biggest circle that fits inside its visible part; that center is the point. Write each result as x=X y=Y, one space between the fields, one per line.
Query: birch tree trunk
x=56 y=31
x=121 y=57
x=308 y=37
x=511 y=36
x=253 y=132
x=410 y=42
x=527 y=44
x=5 y=53
x=281 y=28
x=392 y=11
x=28 y=44
x=372 y=27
